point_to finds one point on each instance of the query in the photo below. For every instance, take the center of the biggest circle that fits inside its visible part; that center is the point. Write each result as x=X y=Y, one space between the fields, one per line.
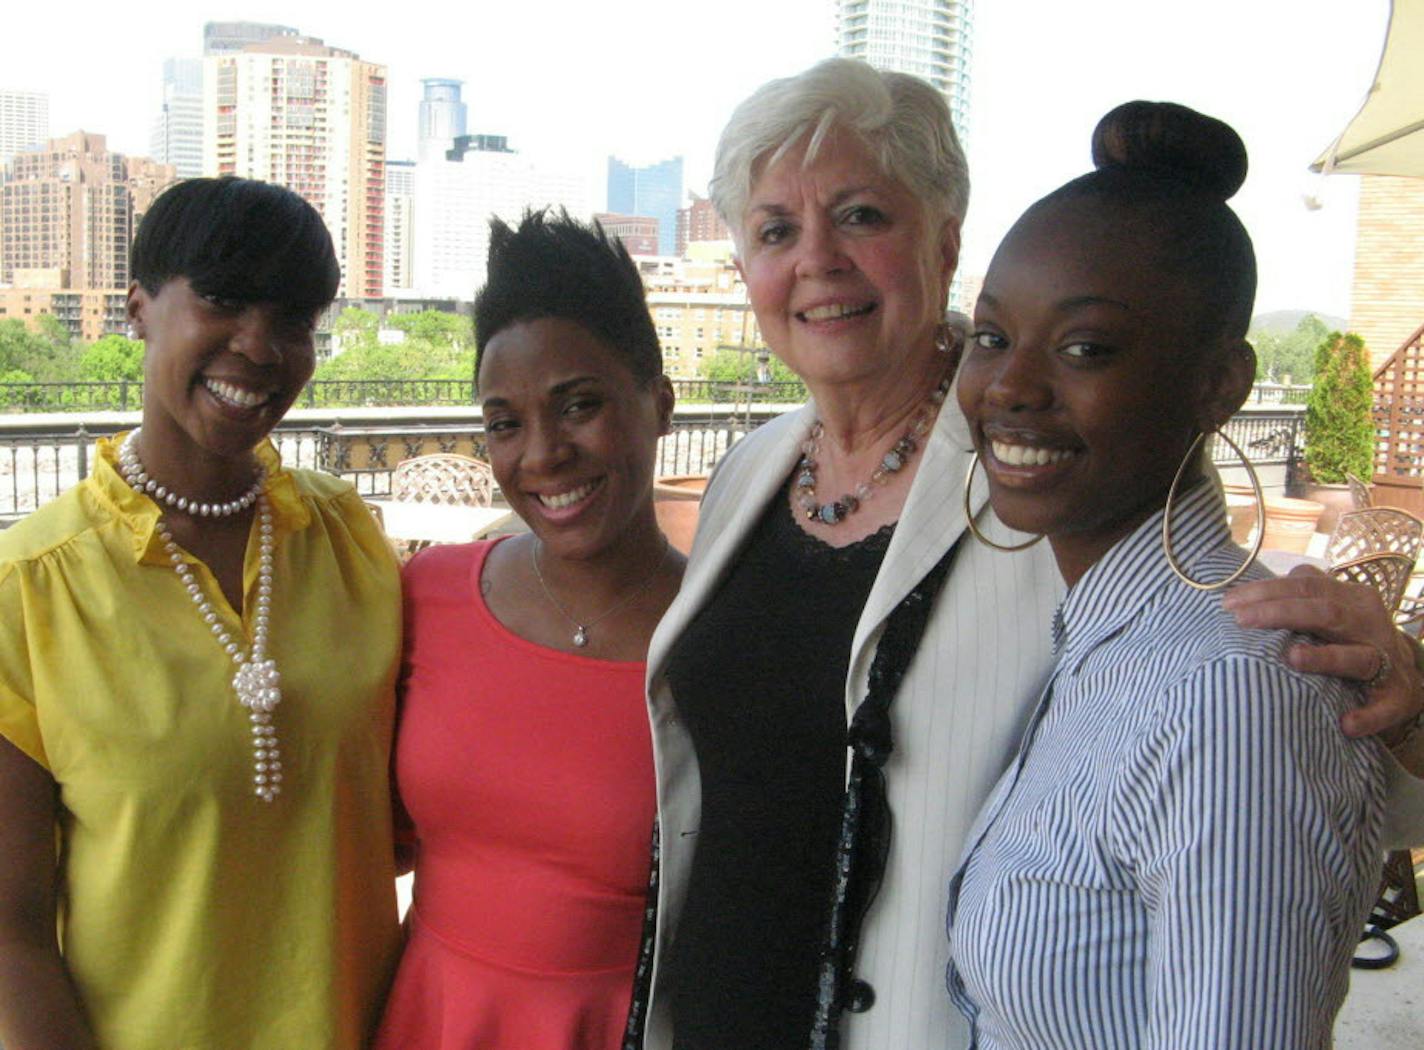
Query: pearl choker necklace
x=891 y=463
x=256 y=683
x=135 y=475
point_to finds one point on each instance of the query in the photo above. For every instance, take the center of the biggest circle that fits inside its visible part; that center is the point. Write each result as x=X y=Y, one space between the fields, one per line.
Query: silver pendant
x=580 y=637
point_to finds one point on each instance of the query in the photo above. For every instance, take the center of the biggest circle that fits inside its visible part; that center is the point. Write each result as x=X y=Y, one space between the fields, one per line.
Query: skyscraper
x=930 y=39
x=655 y=190
x=226 y=38
x=442 y=113
x=69 y=209
x=400 y=216
x=177 y=137
x=296 y=112
x=24 y=122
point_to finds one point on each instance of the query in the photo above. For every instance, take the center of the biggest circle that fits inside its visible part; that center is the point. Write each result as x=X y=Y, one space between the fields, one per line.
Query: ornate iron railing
x=39 y=461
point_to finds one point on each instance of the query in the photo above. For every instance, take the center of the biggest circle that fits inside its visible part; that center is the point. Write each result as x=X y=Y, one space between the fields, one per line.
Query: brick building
x=1387 y=294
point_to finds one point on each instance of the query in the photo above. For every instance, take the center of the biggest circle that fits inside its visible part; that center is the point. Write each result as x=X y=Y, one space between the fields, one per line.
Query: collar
x=140 y=514
x=1134 y=573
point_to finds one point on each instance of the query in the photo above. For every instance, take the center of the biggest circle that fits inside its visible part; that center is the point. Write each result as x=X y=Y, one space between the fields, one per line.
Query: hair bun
x=1166 y=140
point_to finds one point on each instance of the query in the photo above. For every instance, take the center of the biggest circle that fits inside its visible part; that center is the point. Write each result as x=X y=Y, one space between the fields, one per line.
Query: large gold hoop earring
x=1167 y=517
x=969 y=516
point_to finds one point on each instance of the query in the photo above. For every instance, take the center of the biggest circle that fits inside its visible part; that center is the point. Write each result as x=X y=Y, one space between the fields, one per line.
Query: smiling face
x=571 y=434
x=847 y=273
x=1087 y=377
x=218 y=375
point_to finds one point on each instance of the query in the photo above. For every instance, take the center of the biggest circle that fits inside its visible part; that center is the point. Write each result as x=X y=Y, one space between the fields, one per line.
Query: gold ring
x=1381 y=672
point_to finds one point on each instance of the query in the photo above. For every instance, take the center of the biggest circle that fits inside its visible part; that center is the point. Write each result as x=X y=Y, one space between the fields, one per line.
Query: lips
x=563 y=500
x=1024 y=455
x=835 y=311
x=235 y=396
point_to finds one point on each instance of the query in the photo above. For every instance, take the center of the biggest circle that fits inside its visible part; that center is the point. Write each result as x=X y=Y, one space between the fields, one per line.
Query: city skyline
x=1287 y=75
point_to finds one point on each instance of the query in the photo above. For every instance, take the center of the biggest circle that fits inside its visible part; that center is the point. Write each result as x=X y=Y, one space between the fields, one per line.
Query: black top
x=759 y=679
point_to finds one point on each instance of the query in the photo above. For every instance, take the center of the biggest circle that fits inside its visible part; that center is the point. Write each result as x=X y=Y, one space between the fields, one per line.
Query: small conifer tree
x=1339 y=426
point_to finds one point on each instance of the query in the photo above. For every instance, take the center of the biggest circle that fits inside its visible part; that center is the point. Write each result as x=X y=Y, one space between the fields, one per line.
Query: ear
x=662 y=391
x=1226 y=383
x=134 y=308
x=741 y=270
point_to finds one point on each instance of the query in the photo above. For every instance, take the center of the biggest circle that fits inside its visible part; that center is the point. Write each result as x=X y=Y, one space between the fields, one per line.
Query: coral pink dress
x=528 y=775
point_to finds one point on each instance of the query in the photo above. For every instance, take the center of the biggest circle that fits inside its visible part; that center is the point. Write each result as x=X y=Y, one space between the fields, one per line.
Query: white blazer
x=957 y=718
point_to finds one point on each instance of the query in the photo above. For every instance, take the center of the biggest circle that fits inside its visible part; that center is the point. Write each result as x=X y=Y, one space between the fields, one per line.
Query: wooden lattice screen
x=1399 y=426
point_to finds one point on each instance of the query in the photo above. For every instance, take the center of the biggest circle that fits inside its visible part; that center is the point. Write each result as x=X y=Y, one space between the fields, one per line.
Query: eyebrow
x=1073 y=302
x=555 y=390
x=840 y=198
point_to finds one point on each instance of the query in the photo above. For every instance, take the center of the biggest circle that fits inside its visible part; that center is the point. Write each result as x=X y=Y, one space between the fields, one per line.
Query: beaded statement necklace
x=835 y=512
x=256 y=683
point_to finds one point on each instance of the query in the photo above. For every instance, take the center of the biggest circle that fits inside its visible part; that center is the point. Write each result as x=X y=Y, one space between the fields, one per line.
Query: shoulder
x=322 y=487
x=55 y=524
x=438 y=569
x=754 y=454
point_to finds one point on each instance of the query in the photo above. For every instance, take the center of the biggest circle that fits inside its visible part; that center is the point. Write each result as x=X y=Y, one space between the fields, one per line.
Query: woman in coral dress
x=523 y=755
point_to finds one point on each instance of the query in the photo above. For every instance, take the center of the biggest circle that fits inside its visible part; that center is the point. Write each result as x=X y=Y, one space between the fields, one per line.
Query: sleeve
x=1253 y=832
x=19 y=717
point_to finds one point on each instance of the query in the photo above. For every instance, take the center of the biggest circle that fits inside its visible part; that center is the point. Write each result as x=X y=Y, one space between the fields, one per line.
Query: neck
x=195 y=473
x=627 y=563
x=859 y=418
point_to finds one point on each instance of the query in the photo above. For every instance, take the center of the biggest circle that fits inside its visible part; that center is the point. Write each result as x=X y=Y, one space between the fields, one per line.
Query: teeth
x=832 y=311
x=235 y=394
x=1028 y=455
x=568 y=499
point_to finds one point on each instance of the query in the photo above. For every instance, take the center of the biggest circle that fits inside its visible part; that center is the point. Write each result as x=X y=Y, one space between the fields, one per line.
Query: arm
x=1253 y=828
x=1356 y=628
x=39 y=1009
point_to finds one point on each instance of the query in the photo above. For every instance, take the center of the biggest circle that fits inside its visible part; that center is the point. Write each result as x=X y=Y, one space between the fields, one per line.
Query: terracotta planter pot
x=1290 y=523
x=1336 y=500
x=676 y=502
x=1241 y=513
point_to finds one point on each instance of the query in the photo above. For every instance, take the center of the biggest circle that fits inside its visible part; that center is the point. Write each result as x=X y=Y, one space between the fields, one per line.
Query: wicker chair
x=443 y=478
x=1387 y=573
x=1359 y=492
x=1374 y=530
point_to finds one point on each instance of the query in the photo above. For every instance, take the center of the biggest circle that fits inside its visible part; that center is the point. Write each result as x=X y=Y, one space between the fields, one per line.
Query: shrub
x=1339 y=428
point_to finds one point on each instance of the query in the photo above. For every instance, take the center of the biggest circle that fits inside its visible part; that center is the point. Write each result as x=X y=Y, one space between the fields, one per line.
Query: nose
x=546 y=447
x=255 y=335
x=820 y=252
x=1020 y=380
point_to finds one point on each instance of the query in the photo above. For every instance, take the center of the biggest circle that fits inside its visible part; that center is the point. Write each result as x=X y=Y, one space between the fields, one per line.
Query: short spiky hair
x=239 y=239
x=555 y=267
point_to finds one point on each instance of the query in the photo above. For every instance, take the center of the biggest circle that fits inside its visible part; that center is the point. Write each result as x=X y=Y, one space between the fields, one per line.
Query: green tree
x=730 y=365
x=453 y=332
x=1288 y=354
x=1339 y=428
x=111 y=359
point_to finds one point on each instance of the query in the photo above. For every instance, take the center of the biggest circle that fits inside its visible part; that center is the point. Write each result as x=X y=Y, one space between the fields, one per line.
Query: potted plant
x=1339 y=426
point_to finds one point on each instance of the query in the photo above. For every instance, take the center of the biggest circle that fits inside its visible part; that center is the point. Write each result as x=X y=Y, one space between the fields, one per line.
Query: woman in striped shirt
x=1183 y=851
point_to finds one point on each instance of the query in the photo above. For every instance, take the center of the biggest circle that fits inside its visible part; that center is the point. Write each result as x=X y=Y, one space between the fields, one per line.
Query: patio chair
x=1359 y=492
x=1374 y=530
x=443 y=478
x=1388 y=573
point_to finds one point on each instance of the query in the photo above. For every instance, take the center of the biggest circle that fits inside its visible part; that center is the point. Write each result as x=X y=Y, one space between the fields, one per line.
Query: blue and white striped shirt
x=1184 y=850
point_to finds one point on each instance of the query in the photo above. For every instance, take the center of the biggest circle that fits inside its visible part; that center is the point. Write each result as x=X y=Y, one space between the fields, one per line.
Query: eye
x=584 y=405
x=773 y=232
x=222 y=303
x=500 y=426
x=987 y=339
x=863 y=215
x=1083 y=351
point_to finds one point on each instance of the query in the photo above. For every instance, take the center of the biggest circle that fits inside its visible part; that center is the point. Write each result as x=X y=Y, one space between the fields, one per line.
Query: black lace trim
x=643 y=975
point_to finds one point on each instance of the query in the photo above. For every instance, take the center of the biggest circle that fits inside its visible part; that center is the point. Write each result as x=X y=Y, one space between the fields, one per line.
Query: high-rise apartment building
x=226 y=38
x=639 y=233
x=400 y=218
x=296 y=112
x=24 y=122
x=930 y=39
x=68 y=212
x=699 y=221
x=177 y=137
x=655 y=190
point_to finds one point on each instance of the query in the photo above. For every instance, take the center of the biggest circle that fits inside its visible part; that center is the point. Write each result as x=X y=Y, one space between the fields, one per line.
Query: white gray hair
x=903 y=120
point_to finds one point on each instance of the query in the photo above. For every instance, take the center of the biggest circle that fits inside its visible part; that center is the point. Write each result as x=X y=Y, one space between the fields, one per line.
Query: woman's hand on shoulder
x=1356 y=636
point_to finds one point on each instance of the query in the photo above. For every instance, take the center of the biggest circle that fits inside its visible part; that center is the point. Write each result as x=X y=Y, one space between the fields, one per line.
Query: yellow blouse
x=194 y=915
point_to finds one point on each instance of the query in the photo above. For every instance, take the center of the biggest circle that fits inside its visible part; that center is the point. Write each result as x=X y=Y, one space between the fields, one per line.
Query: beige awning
x=1387 y=135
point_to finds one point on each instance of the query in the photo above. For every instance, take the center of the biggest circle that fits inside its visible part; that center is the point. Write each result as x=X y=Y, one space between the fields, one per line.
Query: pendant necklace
x=581 y=627
x=256 y=683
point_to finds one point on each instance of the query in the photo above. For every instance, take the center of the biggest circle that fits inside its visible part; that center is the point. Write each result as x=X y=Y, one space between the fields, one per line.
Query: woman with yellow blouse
x=198 y=650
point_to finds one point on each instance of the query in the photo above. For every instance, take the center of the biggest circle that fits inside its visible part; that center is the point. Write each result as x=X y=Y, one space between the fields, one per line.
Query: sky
x=650 y=79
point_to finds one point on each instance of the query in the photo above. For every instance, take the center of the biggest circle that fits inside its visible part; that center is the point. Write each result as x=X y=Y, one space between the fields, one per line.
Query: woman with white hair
x=838 y=651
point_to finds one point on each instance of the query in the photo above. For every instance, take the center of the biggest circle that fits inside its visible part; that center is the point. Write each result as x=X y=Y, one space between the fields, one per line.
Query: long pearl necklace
x=836 y=511
x=580 y=638
x=256 y=683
